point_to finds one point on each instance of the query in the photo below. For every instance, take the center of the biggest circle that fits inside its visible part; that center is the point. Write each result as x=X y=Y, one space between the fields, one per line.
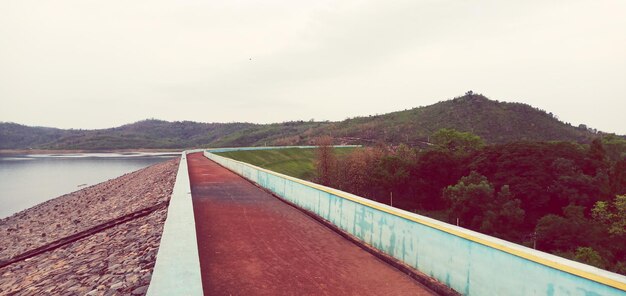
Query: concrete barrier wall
x=177 y=267
x=466 y=261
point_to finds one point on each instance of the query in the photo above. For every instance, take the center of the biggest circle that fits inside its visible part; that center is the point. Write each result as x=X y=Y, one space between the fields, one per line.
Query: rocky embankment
x=113 y=261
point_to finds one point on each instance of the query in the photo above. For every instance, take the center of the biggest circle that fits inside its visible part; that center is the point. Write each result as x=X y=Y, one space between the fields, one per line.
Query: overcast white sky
x=97 y=64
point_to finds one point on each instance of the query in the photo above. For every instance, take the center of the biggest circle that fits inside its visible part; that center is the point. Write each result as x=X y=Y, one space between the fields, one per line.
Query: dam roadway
x=252 y=243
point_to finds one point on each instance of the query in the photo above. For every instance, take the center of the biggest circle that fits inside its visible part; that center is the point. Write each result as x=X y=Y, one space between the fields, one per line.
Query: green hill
x=295 y=162
x=148 y=134
x=495 y=122
x=17 y=136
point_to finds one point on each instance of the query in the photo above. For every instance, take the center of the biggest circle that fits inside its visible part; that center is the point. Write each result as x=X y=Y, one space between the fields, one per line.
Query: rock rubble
x=115 y=261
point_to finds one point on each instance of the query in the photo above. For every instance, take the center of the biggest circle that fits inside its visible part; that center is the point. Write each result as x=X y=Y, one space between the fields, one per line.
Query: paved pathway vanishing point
x=251 y=243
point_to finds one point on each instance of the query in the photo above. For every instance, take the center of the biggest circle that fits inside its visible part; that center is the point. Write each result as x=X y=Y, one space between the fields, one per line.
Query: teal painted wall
x=469 y=267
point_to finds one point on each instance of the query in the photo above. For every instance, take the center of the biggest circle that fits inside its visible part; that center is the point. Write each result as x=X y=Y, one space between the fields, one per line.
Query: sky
x=98 y=64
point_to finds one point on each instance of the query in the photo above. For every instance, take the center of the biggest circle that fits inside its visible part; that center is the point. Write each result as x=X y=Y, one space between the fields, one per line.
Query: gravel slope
x=118 y=260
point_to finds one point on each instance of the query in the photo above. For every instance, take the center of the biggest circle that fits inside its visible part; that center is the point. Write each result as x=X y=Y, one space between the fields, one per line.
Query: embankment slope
x=115 y=260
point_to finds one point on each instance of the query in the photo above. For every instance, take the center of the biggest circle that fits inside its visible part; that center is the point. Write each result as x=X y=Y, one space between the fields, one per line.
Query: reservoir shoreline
x=44 y=151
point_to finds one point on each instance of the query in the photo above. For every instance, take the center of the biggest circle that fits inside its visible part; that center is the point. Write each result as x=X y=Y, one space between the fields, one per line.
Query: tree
x=358 y=167
x=589 y=256
x=571 y=185
x=544 y=176
x=456 y=141
x=597 y=151
x=612 y=214
x=505 y=215
x=476 y=206
x=565 y=233
x=468 y=199
x=618 y=177
x=615 y=147
x=390 y=172
x=326 y=161
x=434 y=171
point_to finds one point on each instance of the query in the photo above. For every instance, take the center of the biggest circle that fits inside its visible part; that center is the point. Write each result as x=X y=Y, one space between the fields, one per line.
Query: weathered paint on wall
x=177 y=267
x=468 y=262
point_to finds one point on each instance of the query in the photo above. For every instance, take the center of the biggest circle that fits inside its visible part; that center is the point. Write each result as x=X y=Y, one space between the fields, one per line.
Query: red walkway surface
x=251 y=243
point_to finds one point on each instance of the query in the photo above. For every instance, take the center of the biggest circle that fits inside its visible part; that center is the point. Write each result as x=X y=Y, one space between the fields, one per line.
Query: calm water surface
x=27 y=180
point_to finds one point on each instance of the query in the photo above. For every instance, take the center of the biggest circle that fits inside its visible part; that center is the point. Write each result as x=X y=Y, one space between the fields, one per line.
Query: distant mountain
x=147 y=134
x=495 y=122
x=17 y=136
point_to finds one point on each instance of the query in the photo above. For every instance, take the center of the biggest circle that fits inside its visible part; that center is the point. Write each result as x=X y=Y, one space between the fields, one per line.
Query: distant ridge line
x=494 y=121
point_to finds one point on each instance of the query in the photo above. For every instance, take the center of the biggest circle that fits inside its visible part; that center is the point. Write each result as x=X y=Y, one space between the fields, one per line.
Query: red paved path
x=251 y=243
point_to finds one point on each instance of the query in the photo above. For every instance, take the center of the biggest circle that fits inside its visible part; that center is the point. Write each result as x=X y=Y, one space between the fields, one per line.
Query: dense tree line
x=565 y=198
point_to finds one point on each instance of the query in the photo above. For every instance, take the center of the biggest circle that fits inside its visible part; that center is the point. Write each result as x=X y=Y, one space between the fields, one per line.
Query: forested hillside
x=561 y=197
x=16 y=136
x=495 y=122
x=148 y=134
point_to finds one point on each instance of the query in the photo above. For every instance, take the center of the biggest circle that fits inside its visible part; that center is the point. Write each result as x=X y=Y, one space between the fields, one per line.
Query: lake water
x=27 y=180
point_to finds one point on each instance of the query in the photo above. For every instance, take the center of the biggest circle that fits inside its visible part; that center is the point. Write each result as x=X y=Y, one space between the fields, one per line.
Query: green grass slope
x=295 y=162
